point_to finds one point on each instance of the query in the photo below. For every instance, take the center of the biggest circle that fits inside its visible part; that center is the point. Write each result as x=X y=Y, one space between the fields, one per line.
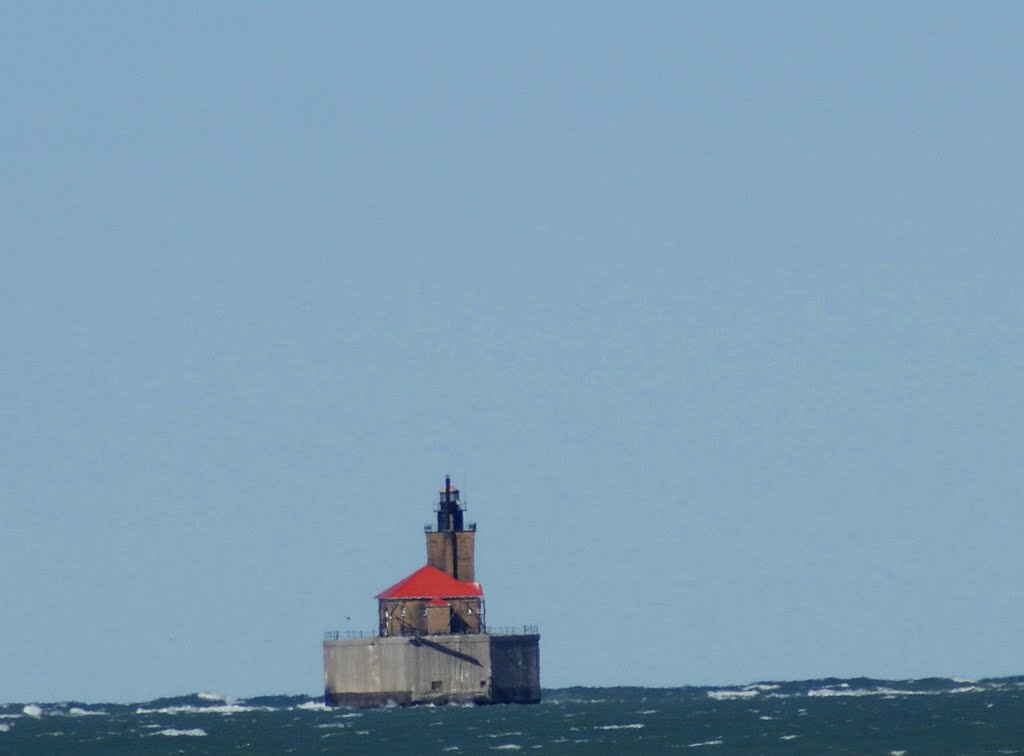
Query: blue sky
x=712 y=310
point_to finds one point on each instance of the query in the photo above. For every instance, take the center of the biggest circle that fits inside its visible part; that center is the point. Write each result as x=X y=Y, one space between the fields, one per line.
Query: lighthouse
x=433 y=644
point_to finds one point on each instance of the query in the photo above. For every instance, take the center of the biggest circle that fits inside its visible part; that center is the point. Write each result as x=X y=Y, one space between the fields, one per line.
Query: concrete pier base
x=470 y=668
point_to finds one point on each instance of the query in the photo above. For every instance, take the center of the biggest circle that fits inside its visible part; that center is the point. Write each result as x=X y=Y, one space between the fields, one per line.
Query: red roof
x=430 y=582
x=438 y=602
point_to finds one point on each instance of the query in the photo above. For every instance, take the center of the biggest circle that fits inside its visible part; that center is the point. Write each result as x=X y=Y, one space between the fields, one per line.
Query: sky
x=713 y=312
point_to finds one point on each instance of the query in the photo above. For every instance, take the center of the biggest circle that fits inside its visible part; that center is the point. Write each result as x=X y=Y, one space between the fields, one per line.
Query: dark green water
x=935 y=716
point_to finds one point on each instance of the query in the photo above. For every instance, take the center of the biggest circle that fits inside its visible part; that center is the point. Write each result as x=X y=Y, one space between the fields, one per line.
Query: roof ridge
x=430 y=582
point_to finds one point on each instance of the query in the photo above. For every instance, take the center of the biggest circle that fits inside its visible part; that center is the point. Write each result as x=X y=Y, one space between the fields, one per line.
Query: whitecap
x=4 y=727
x=207 y=696
x=728 y=695
x=705 y=743
x=503 y=734
x=832 y=692
x=636 y=726
x=74 y=711
x=647 y=711
x=788 y=737
x=186 y=709
x=507 y=747
x=857 y=692
x=172 y=732
x=32 y=710
x=313 y=706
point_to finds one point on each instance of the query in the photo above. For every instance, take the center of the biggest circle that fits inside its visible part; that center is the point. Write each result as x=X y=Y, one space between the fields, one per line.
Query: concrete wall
x=438 y=668
x=515 y=668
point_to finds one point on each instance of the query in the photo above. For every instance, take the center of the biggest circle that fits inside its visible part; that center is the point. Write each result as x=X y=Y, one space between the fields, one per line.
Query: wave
x=207 y=696
x=858 y=687
x=76 y=711
x=207 y=702
x=313 y=706
x=729 y=695
x=762 y=716
x=195 y=732
x=222 y=709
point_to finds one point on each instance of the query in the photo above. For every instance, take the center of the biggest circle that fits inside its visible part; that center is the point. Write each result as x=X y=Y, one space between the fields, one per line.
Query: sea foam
x=187 y=709
x=748 y=691
x=313 y=706
x=74 y=711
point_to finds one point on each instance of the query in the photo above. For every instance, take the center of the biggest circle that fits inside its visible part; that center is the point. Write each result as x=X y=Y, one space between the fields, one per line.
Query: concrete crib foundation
x=477 y=668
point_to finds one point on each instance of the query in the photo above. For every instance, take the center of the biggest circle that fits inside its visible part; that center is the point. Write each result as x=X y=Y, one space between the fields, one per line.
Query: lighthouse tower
x=433 y=644
x=442 y=597
x=451 y=547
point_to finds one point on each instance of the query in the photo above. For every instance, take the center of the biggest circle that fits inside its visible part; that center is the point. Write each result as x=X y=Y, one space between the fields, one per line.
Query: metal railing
x=333 y=635
x=343 y=634
x=513 y=630
x=469 y=527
